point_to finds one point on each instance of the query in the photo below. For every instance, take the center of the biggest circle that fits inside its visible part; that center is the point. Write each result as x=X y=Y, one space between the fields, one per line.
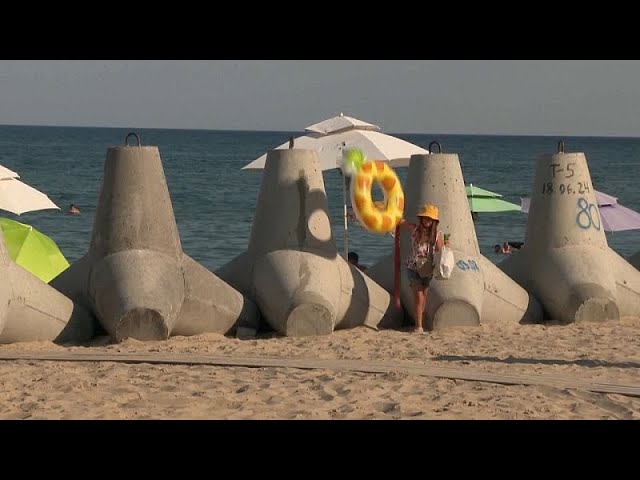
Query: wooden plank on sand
x=362 y=366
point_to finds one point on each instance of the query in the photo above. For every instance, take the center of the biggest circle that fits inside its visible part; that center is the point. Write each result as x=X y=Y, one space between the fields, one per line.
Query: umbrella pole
x=346 y=228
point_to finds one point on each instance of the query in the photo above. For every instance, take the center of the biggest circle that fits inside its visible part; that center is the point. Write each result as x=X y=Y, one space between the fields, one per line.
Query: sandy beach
x=35 y=389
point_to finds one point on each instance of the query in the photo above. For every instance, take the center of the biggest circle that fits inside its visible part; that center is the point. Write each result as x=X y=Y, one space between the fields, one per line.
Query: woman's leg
x=419 y=301
x=424 y=297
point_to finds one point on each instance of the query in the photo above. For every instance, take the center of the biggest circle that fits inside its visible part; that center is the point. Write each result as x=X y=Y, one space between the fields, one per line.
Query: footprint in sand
x=388 y=407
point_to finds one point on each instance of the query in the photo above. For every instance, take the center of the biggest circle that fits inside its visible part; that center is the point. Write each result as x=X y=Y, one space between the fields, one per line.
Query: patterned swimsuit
x=424 y=249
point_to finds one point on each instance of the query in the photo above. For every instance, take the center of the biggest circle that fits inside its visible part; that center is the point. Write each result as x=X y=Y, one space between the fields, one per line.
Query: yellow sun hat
x=430 y=211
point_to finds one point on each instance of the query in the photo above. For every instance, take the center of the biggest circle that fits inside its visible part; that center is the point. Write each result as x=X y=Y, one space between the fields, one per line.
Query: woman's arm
x=439 y=242
x=407 y=225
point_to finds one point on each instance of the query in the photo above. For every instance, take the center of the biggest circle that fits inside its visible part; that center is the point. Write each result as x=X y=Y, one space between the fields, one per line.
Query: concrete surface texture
x=566 y=261
x=135 y=277
x=477 y=292
x=292 y=267
x=31 y=310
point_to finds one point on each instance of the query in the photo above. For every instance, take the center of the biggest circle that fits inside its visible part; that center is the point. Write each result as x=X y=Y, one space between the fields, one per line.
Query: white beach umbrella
x=6 y=173
x=331 y=137
x=340 y=123
x=18 y=197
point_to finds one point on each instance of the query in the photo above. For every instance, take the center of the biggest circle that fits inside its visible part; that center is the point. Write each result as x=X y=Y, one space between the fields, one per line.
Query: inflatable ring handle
x=126 y=139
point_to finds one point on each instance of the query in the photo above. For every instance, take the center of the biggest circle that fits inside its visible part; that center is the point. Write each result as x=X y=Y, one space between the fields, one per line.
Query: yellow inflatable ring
x=374 y=218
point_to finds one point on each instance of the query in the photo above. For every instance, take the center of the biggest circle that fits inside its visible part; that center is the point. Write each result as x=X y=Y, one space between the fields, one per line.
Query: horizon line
x=301 y=132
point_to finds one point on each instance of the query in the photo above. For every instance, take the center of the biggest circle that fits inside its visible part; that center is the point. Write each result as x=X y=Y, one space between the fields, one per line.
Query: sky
x=494 y=97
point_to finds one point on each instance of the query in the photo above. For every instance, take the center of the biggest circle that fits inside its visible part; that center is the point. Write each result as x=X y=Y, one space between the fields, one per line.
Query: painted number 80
x=587 y=215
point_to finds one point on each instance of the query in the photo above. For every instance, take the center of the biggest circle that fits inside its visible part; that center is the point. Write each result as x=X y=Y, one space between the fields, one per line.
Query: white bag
x=445 y=262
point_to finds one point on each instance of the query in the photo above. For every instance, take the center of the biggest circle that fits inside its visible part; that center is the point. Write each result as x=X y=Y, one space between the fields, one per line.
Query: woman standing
x=425 y=241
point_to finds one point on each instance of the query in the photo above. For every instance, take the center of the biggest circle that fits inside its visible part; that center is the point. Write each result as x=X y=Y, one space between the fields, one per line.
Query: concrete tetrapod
x=291 y=266
x=566 y=261
x=477 y=291
x=135 y=276
x=31 y=310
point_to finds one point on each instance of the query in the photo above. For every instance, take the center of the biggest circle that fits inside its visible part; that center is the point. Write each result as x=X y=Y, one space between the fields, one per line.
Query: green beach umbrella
x=33 y=250
x=481 y=200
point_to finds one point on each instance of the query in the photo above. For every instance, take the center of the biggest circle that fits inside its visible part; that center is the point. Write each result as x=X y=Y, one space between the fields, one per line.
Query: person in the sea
x=73 y=210
x=507 y=247
x=516 y=245
x=426 y=240
x=354 y=259
x=351 y=215
x=504 y=248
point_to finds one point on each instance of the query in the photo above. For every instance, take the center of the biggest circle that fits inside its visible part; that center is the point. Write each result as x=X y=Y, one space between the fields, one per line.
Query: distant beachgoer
x=354 y=259
x=505 y=248
x=516 y=245
x=73 y=210
x=351 y=215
